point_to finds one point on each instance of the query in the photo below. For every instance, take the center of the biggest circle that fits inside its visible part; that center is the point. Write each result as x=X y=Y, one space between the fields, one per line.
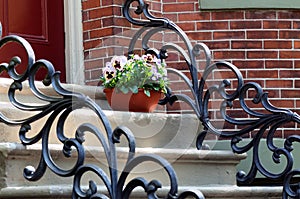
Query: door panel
x=20 y=20
x=41 y=23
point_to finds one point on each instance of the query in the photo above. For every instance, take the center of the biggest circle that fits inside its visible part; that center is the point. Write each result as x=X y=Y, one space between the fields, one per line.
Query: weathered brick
x=200 y=36
x=245 y=24
x=101 y=33
x=94 y=64
x=87 y=75
x=85 y=16
x=229 y=54
x=262 y=34
x=100 y=12
x=187 y=26
x=289 y=14
x=278 y=63
x=289 y=34
x=92 y=43
x=297 y=85
x=229 y=35
x=292 y=93
x=279 y=83
x=289 y=73
x=246 y=64
x=246 y=44
x=86 y=36
x=155 y=6
x=275 y=24
x=97 y=73
x=262 y=74
x=99 y=53
x=289 y=54
x=90 y=25
x=197 y=16
x=90 y=4
x=272 y=93
x=226 y=15
x=116 y=2
x=296 y=44
x=171 y=16
x=178 y=7
x=278 y=44
x=262 y=54
x=260 y=82
x=218 y=44
x=217 y=25
x=107 y=21
x=297 y=64
x=296 y=24
x=260 y=14
x=178 y=65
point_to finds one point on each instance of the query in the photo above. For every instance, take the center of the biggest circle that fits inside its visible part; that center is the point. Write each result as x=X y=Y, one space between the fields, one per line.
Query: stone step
x=26 y=94
x=192 y=167
x=157 y=130
x=171 y=136
x=209 y=192
x=212 y=172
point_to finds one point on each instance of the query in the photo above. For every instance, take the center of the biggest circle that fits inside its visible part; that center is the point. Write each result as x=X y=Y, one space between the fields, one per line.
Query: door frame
x=74 y=42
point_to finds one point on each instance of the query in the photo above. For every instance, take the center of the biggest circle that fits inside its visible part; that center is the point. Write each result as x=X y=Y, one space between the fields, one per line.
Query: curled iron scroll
x=59 y=108
x=267 y=121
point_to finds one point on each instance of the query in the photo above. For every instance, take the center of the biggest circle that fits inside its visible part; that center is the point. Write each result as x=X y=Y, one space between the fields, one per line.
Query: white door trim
x=74 y=42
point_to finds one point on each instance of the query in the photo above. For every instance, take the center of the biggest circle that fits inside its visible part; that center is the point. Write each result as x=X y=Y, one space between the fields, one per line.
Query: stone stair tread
x=212 y=192
x=205 y=167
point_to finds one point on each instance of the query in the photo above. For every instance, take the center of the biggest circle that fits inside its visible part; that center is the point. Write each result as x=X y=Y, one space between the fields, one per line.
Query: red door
x=41 y=23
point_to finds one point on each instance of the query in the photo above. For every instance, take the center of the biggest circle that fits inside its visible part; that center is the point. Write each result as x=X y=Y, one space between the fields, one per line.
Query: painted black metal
x=266 y=122
x=58 y=108
x=61 y=106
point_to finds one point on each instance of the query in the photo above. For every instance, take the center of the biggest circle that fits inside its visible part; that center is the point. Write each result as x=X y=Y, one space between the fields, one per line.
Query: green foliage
x=144 y=72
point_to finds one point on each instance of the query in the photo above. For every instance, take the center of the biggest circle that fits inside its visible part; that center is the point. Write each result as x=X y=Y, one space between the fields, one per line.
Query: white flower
x=109 y=72
x=136 y=57
x=148 y=58
x=118 y=62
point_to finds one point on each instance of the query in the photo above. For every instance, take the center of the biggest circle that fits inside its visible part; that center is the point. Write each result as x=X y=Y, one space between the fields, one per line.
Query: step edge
x=16 y=149
x=209 y=191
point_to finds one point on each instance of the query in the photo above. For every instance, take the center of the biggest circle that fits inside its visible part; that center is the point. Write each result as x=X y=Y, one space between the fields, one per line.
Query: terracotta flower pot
x=138 y=102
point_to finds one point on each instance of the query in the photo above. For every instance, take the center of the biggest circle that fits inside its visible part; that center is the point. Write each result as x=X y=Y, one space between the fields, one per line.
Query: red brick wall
x=263 y=44
x=106 y=33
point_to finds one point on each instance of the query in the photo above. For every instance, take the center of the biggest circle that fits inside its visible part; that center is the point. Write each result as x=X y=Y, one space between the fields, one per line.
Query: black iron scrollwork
x=264 y=122
x=57 y=109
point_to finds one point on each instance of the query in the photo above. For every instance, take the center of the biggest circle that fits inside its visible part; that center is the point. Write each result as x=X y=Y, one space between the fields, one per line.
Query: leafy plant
x=129 y=75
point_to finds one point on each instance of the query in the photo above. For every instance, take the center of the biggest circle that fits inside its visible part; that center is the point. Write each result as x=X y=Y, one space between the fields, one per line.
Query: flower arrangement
x=129 y=75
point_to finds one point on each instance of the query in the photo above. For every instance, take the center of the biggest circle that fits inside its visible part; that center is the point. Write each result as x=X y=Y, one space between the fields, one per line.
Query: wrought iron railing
x=264 y=122
x=61 y=106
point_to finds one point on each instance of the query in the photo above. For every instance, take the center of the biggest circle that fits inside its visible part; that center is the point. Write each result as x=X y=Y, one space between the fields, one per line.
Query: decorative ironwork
x=61 y=106
x=58 y=108
x=267 y=122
